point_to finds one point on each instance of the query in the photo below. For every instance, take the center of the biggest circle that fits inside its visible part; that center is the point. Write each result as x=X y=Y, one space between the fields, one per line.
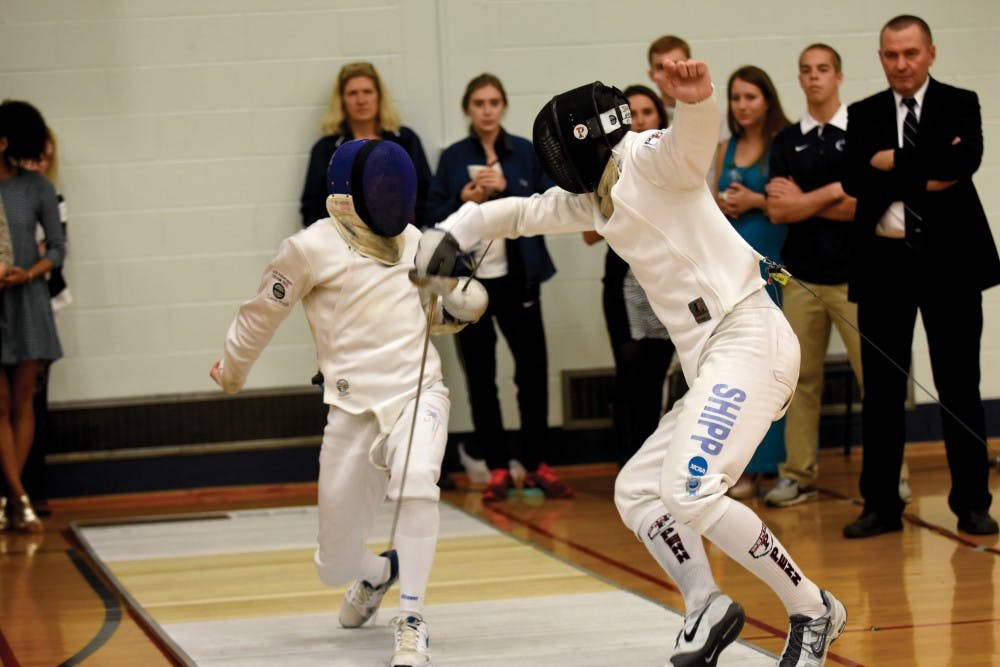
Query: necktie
x=914 y=222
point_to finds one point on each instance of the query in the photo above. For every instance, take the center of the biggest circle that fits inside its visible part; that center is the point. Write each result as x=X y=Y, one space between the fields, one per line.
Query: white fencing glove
x=463 y=301
x=437 y=253
x=467 y=301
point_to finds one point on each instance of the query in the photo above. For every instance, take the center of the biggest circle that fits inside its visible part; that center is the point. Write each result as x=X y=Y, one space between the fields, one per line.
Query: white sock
x=748 y=541
x=416 y=540
x=680 y=552
x=375 y=569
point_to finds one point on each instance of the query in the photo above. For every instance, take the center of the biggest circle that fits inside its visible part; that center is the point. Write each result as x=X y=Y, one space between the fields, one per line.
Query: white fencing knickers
x=746 y=376
x=354 y=479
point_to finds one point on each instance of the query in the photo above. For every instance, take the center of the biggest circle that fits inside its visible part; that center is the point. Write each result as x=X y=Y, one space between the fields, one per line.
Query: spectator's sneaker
x=809 y=638
x=476 y=469
x=787 y=492
x=500 y=484
x=361 y=600
x=544 y=478
x=707 y=631
x=904 y=491
x=411 y=642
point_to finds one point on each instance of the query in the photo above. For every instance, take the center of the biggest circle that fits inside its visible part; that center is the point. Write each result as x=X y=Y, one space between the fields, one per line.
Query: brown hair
x=334 y=119
x=667 y=43
x=819 y=46
x=481 y=81
x=775 y=119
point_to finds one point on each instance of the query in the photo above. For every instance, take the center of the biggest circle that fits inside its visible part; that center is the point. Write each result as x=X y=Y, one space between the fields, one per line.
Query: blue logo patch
x=697 y=466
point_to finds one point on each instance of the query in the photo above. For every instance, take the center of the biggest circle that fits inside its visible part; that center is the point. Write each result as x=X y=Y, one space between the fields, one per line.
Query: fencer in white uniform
x=646 y=194
x=368 y=321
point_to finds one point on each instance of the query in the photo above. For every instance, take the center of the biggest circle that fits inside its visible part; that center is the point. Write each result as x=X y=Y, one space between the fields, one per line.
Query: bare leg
x=23 y=385
x=8 y=455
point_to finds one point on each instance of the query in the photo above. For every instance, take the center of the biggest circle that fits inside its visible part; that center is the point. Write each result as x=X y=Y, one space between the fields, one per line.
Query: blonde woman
x=359 y=108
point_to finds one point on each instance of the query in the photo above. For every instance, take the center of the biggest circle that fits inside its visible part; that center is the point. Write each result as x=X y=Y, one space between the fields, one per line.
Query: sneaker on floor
x=545 y=478
x=517 y=471
x=411 y=642
x=500 y=483
x=787 y=492
x=904 y=491
x=745 y=487
x=361 y=600
x=476 y=469
x=809 y=638
x=707 y=631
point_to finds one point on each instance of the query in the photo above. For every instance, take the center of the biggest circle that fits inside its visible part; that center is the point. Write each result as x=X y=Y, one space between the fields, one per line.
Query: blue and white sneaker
x=707 y=631
x=412 y=642
x=809 y=638
x=362 y=600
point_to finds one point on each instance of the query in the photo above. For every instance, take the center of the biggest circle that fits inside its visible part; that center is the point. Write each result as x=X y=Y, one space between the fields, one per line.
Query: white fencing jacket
x=366 y=319
x=684 y=252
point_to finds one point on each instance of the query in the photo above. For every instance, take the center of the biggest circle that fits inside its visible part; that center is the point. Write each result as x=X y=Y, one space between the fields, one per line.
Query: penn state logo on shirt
x=343 y=387
x=839 y=145
x=280 y=286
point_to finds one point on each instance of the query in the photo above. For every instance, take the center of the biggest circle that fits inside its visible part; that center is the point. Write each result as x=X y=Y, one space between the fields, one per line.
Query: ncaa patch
x=697 y=466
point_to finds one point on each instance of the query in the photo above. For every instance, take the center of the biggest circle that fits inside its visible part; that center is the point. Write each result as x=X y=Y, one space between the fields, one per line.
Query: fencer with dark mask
x=646 y=194
x=351 y=273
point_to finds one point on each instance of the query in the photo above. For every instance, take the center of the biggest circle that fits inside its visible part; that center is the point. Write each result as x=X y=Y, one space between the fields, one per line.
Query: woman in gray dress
x=28 y=336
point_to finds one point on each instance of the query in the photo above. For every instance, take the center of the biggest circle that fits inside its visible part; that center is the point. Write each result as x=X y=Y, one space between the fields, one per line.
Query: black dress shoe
x=978 y=523
x=870 y=524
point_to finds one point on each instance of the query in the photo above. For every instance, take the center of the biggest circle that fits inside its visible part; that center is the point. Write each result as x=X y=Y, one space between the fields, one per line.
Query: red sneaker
x=544 y=478
x=500 y=483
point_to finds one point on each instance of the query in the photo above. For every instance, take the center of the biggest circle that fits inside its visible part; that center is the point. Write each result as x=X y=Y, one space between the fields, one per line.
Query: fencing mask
x=575 y=132
x=373 y=190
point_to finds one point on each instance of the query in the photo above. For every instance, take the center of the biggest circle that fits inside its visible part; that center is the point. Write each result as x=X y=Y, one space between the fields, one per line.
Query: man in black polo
x=805 y=192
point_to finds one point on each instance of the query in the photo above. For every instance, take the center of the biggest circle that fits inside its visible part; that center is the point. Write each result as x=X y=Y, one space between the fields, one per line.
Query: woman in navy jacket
x=359 y=108
x=489 y=164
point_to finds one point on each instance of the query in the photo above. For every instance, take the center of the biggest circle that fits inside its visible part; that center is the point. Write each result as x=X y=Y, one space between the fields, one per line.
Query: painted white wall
x=185 y=127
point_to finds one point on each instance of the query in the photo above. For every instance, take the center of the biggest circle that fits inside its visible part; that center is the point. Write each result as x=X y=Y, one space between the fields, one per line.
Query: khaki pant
x=811 y=320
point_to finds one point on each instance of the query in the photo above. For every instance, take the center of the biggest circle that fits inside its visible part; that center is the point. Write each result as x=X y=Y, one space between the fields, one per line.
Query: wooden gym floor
x=926 y=596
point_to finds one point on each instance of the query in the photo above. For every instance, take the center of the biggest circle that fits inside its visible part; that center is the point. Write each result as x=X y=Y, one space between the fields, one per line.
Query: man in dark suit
x=923 y=243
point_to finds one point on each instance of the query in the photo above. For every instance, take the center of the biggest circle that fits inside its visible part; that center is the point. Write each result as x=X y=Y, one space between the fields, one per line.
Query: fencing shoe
x=362 y=599
x=707 y=631
x=809 y=638
x=411 y=642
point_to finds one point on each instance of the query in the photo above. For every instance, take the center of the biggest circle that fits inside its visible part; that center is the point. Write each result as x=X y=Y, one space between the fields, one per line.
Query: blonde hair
x=334 y=119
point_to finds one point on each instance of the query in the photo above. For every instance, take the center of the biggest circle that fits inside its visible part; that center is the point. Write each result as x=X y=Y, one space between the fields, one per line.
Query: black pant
x=519 y=316
x=952 y=314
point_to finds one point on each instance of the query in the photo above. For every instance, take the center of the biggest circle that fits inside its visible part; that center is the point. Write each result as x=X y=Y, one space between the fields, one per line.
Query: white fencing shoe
x=707 y=631
x=411 y=642
x=362 y=599
x=809 y=638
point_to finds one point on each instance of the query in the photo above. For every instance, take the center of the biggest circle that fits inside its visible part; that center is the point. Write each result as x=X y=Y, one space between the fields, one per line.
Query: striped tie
x=914 y=221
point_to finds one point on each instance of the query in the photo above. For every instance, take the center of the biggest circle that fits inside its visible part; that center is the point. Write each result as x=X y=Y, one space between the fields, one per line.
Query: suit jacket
x=956 y=237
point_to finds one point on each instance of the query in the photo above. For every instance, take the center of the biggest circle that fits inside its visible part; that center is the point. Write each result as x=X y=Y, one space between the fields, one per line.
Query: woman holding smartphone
x=488 y=164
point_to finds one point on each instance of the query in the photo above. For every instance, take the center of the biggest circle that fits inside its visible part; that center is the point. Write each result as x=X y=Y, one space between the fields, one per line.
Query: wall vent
x=588 y=395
